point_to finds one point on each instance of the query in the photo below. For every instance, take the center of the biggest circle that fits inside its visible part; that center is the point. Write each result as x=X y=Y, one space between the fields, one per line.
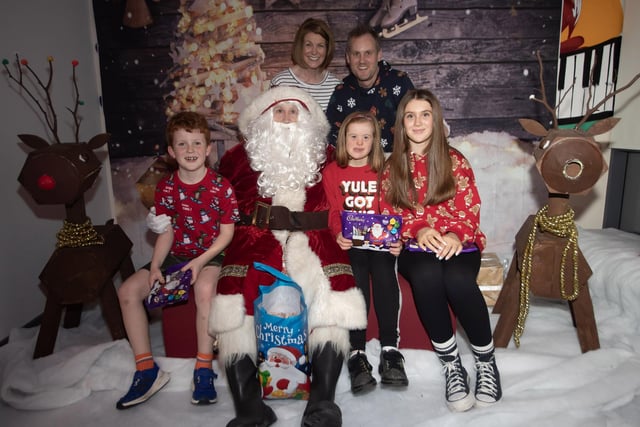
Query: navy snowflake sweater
x=381 y=99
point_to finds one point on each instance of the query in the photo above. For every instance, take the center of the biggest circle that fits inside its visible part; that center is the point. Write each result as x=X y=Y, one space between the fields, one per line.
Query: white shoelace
x=456 y=382
x=487 y=384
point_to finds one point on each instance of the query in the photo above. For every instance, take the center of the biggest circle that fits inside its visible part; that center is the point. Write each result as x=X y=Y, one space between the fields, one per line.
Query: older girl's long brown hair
x=440 y=185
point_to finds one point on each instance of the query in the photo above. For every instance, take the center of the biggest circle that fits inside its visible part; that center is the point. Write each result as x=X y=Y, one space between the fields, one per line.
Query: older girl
x=433 y=187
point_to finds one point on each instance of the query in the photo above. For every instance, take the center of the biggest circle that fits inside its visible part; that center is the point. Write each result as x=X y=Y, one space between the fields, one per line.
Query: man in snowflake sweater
x=372 y=85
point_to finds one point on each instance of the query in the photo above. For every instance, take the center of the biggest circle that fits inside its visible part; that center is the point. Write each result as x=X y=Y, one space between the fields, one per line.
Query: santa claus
x=275 y=173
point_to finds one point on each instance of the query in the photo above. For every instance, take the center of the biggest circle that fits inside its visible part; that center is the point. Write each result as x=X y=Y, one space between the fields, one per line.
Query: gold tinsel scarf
x=561 y=226
x=74 y=235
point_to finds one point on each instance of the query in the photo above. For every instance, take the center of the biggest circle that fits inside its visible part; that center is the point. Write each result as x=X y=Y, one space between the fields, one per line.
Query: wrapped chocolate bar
x=174 y=290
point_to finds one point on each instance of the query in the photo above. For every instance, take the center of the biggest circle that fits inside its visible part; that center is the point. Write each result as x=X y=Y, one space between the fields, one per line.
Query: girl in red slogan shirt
x=433 y=187
x=351 y=184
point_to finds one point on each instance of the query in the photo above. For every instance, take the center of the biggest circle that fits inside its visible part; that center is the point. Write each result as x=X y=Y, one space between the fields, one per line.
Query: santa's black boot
x=321 y=410
x=247 y=395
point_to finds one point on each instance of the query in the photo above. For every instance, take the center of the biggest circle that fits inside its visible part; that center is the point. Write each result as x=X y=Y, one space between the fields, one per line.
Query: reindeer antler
x=607 y=97
x=544 y=100
x=74 y=112
x=48 y=111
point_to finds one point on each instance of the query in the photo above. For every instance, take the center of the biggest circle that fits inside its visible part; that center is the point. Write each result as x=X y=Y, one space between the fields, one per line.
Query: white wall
x=626 y=134
x=590 y=209
x=36 y=29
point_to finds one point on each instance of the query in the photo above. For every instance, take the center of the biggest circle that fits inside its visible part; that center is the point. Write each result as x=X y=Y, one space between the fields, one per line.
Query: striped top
x=321 y=92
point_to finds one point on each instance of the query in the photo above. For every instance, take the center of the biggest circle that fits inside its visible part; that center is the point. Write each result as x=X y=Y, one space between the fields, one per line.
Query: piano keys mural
x=589 y=58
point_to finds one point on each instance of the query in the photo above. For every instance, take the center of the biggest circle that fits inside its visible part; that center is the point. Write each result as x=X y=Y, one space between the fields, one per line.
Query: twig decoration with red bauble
x=39 y=89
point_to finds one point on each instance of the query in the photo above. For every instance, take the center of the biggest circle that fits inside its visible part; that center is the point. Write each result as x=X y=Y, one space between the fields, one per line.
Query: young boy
x=203 y=209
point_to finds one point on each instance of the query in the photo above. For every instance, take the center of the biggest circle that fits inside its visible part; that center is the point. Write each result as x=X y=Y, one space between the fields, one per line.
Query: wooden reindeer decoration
x=548 y=262
x=86 y=258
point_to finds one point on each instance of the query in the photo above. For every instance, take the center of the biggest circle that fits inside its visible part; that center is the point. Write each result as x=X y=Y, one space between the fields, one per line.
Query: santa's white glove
x=157 y=223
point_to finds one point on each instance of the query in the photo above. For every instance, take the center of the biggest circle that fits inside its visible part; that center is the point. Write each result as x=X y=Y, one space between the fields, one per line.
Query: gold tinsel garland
x=561 y=226
x=74 y=235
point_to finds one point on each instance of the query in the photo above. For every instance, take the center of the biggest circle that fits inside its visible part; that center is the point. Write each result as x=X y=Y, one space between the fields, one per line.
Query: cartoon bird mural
x=589 y=22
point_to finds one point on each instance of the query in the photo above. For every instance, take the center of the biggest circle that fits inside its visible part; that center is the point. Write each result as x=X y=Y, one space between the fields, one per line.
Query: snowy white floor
x=546 y=382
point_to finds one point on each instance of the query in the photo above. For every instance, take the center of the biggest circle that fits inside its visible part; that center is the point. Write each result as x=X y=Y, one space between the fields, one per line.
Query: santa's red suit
x=309 y=255
x=251 y=243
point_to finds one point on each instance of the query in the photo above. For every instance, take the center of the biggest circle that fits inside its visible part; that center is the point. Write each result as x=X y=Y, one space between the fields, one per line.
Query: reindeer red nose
x=46 y=182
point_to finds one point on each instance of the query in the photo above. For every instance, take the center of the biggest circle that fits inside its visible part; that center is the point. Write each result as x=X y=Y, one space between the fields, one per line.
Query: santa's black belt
x=276 y=217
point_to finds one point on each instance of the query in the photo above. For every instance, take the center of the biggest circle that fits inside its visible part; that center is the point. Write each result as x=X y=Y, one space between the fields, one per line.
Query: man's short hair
x=360 y=30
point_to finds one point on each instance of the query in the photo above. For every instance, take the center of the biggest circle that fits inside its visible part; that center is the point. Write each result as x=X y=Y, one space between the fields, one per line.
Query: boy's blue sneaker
x=145 y=384
x=204 y=392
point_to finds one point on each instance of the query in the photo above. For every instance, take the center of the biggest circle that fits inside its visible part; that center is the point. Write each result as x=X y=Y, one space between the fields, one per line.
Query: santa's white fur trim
x=345 y=309
x=293 y=200
x=304 y=267
x=335 y=336
x=267 y=98
x=326 y=307
x=226 y=314
x=233 y=345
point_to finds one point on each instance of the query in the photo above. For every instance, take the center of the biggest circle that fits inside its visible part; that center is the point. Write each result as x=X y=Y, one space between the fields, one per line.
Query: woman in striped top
x=311 y=53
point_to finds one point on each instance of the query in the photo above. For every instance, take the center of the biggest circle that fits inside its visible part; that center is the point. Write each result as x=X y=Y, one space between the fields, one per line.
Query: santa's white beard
x=288 y=156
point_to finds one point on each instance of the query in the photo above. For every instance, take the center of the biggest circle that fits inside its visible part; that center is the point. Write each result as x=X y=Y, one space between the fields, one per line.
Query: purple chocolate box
x=371 y=231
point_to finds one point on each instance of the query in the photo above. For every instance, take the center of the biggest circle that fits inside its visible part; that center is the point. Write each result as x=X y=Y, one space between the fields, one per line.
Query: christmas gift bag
x=281 y=331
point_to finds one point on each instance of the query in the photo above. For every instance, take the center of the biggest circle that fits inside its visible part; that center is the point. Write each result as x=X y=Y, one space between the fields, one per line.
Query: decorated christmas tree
x=217 y=61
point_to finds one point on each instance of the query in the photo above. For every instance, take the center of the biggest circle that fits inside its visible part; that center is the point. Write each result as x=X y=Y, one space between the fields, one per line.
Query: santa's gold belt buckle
x=261 y=207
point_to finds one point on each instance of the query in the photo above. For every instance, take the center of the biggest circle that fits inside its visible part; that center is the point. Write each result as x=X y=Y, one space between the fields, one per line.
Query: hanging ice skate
x=396 y=16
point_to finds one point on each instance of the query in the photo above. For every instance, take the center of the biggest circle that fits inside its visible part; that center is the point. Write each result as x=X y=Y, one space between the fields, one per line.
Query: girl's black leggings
x=438 y=285
x=375 y=274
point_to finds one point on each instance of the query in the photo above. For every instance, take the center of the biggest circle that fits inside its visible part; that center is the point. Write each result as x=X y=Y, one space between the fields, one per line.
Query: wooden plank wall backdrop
x=478 y=56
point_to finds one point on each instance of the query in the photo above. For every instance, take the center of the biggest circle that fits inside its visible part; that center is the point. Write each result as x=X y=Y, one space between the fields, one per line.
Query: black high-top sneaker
x=459 y=398
x=360 y=374
x=392 y=368
x=488 y=389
